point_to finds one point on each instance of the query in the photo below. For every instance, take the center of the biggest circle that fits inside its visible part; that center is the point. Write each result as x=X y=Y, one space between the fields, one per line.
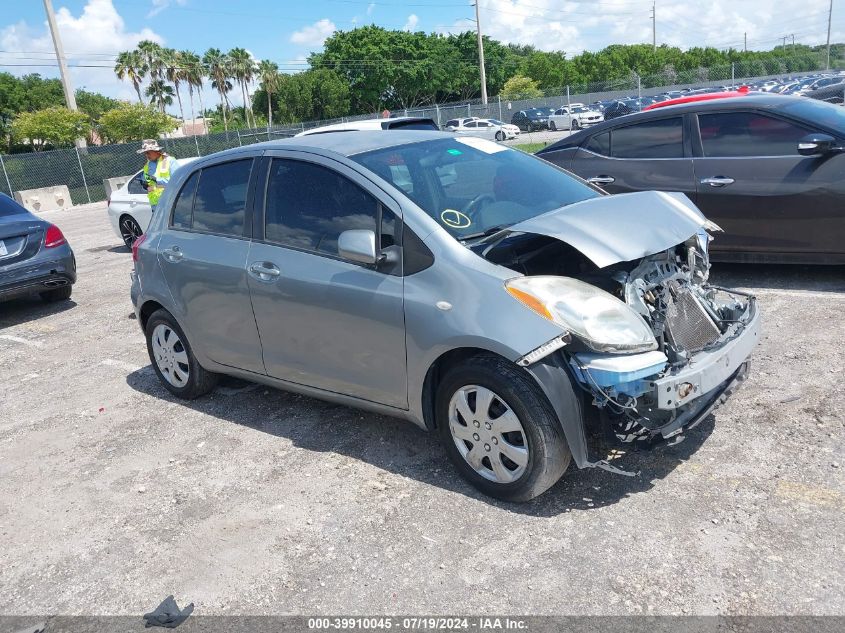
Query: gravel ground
x=114 y=495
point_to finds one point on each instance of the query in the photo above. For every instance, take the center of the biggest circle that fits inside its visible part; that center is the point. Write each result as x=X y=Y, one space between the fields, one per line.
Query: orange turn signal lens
x=531 y=302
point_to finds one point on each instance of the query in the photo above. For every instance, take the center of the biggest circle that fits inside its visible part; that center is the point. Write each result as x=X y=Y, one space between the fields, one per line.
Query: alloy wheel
x=170 y=354
x=488 y=434
x=130 y=230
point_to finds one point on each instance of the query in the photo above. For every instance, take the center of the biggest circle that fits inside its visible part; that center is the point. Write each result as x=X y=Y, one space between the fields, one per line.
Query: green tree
x=192 y=74
x=135 y=122
x=521 y=87
x=56 y=126
x=242 y=67
x=130 y=65
x=268 y=75
x=160 y=92
x=172 y=60
x=216 y=66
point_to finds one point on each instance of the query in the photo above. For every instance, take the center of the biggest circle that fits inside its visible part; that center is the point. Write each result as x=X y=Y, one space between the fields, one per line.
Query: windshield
x=580 y=109
x=470 y=185
x=495 y=121
x=819 y=113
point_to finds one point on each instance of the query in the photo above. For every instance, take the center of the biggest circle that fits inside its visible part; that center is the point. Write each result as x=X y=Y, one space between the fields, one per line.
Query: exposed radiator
x=688 y=326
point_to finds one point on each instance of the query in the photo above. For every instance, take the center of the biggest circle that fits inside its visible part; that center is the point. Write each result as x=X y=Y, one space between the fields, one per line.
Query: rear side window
x=736 y=134
x=183 y=209
x=309 y=206
x=135 y=186
x=651 y=139
x=599 y=144
x=220 y=199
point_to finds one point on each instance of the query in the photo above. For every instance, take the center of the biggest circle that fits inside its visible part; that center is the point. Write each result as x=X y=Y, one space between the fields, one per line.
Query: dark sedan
x=768 y=169
x=531 y=119
x=35 y=257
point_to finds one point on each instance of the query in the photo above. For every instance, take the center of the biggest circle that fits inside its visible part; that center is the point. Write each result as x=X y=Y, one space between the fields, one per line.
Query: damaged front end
x=704 y=333
x=655 y=347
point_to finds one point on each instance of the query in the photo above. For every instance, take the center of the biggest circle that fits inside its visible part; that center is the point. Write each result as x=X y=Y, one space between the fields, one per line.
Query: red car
x=700 y=97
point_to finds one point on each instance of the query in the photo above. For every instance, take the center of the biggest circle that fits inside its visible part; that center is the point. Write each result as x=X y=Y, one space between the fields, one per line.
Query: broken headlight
x=598 y=318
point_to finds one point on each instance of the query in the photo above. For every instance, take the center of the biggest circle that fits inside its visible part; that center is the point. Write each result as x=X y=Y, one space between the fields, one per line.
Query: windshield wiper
x=485 y=233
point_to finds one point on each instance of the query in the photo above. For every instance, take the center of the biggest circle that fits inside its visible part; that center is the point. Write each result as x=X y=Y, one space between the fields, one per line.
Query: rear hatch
x=20 y=238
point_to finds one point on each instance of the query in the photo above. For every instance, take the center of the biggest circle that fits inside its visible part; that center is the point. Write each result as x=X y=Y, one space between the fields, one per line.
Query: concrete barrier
x=45 y=198
x=113 y=184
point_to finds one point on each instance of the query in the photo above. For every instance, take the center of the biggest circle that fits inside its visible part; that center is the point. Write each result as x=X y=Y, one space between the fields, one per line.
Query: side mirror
x=817 y=144
x=358 y=245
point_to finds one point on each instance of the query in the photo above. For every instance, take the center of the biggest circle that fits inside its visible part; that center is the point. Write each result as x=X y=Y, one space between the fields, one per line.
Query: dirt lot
x=254 y=501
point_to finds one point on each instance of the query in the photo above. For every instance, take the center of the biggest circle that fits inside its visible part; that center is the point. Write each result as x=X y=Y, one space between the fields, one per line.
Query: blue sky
x=285 y=31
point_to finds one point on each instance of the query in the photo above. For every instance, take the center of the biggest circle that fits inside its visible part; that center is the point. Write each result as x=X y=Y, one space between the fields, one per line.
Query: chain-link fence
x=83 y=170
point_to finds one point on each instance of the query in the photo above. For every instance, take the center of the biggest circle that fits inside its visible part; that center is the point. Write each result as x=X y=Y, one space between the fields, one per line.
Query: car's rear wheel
x=499 y=430
x=130 y=230
x=552 y=126
x=57 y=294
x=500 y=136
x=173 y=360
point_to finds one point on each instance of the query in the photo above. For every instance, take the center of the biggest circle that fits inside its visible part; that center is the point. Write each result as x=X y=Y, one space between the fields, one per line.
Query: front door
x=640 y=157
x=752 y=182
x=326 y=322
x=203 y=255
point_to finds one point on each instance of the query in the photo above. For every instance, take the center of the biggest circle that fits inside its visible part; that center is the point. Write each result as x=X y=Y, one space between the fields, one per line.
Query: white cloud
x=91 y=39
x=315 y=34
x=370 y=8
x=161 y=5
x=411 y=24
x=576 y=26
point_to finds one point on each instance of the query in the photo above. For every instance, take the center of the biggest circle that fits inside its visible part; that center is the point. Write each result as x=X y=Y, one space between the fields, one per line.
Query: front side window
x=651 y=139
x=308 y=206
x=737 y=134
x=220 y=199
x=470 y=185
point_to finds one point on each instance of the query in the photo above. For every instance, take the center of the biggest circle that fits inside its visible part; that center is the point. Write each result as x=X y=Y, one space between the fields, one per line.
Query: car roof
x=762 y=100
x=363 y=124
x=699 y=96
x=347 y=143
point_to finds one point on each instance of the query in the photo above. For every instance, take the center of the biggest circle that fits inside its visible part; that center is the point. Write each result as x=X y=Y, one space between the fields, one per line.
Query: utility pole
x=654 y=25
x=70 y=97
x=829 y=16
x=793 y=43
x=745 y=42
x=481 y=56
x=784 y=43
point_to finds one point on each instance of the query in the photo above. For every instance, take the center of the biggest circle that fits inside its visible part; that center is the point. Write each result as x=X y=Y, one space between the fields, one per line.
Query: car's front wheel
x=500 y=136
x=499 y=430
x=130 y=230
x=552 y=126
x=173 y=360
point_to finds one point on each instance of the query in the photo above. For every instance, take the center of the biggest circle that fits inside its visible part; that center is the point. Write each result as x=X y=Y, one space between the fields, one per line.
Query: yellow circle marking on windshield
x=455 y=219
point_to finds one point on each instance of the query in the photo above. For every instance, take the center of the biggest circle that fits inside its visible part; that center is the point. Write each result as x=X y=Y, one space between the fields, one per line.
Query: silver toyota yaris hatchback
x=474 y=289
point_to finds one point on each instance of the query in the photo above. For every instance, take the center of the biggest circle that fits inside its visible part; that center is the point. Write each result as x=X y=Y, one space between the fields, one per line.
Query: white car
x=487 y=128
x=394 y=123
x=129 y=208
x=577 y=114
x=452 y=124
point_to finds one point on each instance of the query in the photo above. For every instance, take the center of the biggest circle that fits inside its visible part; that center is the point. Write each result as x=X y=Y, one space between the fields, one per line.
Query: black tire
x=130 y=230
x=500 y=136
x=200 y=381
x=552 y=126
x=548 y=453
x=57 y=294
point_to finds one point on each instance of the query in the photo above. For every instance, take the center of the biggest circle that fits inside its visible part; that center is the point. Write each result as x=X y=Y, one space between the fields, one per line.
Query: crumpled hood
x=622 y=227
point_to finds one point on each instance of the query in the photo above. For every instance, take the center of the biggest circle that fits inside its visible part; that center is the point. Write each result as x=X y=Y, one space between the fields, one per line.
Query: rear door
x=203 y=254
x=753 y=183
x=326 y=322
x=652 y=154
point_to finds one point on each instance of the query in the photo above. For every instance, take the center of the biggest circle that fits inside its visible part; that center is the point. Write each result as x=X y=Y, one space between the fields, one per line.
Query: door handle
x=173 y=254
x=601 y=180
x=717 y=181
x=264 y=271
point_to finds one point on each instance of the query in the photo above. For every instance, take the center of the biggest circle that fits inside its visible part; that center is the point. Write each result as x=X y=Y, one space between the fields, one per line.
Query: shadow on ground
x=779 y=277
x=402 y=448
x=32 y=308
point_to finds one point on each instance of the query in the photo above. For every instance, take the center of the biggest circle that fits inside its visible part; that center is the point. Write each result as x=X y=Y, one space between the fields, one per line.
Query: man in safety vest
x=157 y=170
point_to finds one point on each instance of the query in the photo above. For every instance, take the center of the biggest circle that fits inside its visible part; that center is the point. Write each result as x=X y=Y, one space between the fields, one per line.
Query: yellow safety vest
x=154 y=189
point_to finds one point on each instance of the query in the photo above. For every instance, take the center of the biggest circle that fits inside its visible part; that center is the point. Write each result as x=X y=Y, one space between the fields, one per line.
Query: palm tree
x=150 y=53
x=160 y=92
x=191 y=72
x=268 y=73
x=243 y=70
x=172 y=61
x=130 y=65
x=217 y=68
